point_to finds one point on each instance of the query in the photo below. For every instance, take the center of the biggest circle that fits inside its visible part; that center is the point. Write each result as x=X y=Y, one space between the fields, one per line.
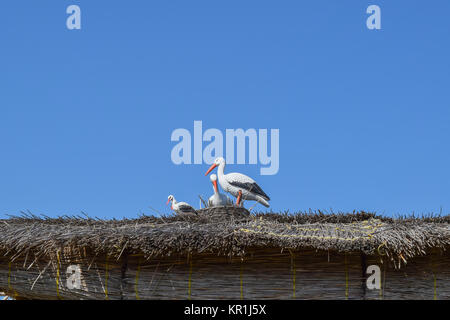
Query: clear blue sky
x=86 y=115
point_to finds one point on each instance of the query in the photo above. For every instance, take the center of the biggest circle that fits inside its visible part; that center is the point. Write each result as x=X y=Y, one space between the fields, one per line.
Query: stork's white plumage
x=239 y=185
x=217 y=199
x=180 y=207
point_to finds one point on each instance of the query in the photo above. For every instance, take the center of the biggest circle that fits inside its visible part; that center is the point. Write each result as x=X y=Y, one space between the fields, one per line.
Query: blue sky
x=86 y=115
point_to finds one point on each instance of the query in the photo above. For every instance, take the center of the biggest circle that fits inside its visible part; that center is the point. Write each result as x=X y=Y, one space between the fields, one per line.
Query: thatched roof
x=225 y=231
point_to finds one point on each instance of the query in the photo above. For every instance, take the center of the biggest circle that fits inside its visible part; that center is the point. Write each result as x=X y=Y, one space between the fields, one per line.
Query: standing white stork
x=217 y=199
x=180 y=207
x=239 y=185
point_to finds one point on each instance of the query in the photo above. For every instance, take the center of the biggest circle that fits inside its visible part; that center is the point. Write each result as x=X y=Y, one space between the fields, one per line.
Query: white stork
x=239 y=185
x=180 y=207
x=217 y=199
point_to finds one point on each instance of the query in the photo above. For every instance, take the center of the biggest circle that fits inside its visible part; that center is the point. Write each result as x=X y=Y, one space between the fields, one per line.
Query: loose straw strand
x=106 y=278
x=9 y=276
x=136 y=280
x=241 y=280
x=10 y=288
x=346 y=277
x=58 y=273
x=293 y=273
x=434 y=279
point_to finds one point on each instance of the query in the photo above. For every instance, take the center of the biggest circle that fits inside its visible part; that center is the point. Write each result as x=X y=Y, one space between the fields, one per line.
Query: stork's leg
x=238 y=201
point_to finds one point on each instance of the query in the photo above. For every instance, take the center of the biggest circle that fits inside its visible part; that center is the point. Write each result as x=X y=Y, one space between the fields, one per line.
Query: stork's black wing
x=187 y=209
x=252 y=187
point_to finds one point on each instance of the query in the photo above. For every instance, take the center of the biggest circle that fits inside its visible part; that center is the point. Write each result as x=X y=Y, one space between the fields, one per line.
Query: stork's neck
x=174 y=201
x=220 y=169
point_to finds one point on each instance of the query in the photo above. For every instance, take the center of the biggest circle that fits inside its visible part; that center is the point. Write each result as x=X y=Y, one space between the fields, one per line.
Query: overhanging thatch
x=49 y=244
x=226 y=231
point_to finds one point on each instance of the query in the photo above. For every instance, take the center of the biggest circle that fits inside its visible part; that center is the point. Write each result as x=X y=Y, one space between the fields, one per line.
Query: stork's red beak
x=215 y=186
x=168 y=201
x=211 y=169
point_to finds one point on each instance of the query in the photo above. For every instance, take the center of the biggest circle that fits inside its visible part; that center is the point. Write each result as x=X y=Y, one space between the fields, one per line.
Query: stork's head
x=219 y=161
x=169 y=199
x=213 y=179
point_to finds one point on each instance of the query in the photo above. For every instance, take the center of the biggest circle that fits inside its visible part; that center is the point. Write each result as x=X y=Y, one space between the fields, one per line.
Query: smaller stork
x=218 y=199
x=180 y=207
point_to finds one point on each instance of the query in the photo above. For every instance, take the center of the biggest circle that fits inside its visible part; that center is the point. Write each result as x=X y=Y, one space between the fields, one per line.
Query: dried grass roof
x=227 y=231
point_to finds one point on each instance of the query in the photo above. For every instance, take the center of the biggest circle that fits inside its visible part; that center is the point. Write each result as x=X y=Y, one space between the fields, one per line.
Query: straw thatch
x=224 y=231
x=36 y=250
